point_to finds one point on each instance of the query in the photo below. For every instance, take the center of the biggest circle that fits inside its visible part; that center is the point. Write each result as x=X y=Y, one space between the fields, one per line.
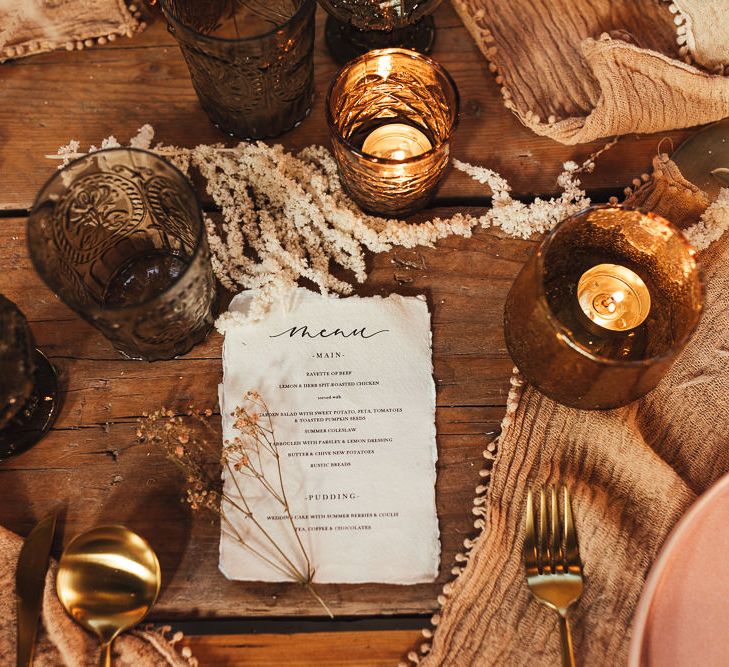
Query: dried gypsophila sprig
x=189 y=442
x=286 y=217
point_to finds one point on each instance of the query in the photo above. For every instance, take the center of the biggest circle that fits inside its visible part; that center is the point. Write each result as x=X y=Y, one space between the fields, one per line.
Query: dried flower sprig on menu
x=190 y=442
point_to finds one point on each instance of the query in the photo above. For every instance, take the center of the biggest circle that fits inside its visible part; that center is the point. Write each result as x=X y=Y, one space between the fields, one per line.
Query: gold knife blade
x=30 y=577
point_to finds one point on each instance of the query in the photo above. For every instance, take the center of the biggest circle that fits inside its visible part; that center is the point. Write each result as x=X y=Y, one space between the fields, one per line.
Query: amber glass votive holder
x=28 y=385
x=383 y=89
x=251 y=63
x=601 y=310
x=119 y=236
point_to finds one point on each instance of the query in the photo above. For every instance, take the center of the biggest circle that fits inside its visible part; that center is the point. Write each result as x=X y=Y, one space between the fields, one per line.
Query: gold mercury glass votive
x=391 y=114
x=599 y=313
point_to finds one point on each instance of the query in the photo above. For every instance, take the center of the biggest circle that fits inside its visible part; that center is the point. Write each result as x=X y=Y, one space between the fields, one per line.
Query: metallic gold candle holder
x=599 y=313
x=391 y=114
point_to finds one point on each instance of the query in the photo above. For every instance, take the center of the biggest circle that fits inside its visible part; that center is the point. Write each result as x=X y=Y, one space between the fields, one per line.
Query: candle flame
x=384 y=66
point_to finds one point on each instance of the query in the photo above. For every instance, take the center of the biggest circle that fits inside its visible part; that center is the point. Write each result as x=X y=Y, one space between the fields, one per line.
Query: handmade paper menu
x=349 y=387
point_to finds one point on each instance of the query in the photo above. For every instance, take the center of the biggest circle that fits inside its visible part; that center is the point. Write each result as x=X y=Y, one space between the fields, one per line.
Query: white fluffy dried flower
x=712 y=224
x=284 y=217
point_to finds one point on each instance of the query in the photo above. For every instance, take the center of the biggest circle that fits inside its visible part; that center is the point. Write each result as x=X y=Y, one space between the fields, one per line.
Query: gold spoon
x=108 y=579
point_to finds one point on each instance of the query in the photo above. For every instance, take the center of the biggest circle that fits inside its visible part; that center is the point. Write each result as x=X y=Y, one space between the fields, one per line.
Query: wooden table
x=90 y=463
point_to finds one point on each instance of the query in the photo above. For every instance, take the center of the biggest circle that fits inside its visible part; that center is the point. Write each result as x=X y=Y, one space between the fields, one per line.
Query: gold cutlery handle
x=568 y=654
x=105 y=657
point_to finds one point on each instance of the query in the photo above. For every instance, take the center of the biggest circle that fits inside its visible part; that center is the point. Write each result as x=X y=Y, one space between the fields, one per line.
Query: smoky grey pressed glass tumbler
x=354 y=27
x=251 y=61
x=118 y=234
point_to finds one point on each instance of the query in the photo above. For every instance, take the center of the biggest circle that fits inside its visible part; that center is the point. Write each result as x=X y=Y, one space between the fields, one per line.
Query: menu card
x=349 y=387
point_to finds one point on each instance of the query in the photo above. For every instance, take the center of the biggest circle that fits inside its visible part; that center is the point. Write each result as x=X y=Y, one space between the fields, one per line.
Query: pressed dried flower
x=192 y=444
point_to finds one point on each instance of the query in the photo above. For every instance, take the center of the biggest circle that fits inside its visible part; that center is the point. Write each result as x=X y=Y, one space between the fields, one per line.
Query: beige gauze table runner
x=632 y=471
x=28 y=27
x=579 y=70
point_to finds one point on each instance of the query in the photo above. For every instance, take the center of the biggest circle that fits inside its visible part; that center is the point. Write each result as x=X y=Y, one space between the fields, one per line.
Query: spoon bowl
x=108 y=580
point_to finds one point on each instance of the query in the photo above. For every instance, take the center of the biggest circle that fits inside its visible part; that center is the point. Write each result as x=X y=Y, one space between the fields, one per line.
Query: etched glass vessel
x=250 y=62
x=356 y=26
x=119 y=236
x=400 y=89
x=599 y=313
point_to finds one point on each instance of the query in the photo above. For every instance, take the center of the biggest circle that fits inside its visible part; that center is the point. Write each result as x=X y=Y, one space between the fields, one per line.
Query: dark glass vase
x=119 y=236
x=28 y=385
x=251 y=62
x=356 y=26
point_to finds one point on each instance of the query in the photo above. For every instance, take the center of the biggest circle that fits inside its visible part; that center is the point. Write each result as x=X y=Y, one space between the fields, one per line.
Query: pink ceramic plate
x=682 y=616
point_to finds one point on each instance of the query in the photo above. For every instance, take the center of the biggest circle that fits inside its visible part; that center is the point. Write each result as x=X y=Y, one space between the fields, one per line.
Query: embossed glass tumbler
x=250 y=60
x=391 y=115
x=118 y=235
x=599 y=313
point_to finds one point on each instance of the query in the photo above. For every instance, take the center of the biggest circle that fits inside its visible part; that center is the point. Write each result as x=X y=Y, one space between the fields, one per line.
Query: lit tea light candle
x=391 y=113
x=396 y=141
x=613 y=297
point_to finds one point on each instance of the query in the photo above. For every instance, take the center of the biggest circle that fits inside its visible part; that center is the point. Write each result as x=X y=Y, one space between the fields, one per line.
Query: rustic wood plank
x=91 y=463
x=91 y=94
x=100 y=475
x=378 y=648
x=465 y=281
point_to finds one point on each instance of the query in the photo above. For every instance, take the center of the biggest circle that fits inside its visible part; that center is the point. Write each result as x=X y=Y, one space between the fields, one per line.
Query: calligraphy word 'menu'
x=303 y=332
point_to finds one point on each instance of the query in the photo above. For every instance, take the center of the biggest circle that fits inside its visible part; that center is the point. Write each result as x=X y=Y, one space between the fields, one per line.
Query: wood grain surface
x=90 y=465
x=381 y=648
x=91 y=94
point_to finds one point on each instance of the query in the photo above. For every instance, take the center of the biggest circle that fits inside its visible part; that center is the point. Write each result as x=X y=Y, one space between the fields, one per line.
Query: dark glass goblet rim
x=413 y=55
x=200 y=244
x=565 y=333
x=306 y=7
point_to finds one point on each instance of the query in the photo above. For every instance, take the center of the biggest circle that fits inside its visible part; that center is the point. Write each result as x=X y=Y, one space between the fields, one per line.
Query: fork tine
x=555 y=553
x=543 y=534
x=530 y=545
x=569 y=540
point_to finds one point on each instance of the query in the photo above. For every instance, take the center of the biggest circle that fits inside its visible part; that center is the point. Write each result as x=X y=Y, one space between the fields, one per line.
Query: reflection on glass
x=250 y=61
x=28 y=384
x=356 y=26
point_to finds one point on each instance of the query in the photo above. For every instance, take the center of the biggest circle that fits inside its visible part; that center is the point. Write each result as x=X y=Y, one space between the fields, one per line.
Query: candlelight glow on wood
x=613 y=297
x=391 y=114
x=396 y=141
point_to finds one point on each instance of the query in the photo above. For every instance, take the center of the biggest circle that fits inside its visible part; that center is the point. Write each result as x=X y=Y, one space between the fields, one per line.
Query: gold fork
x=552 y=561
